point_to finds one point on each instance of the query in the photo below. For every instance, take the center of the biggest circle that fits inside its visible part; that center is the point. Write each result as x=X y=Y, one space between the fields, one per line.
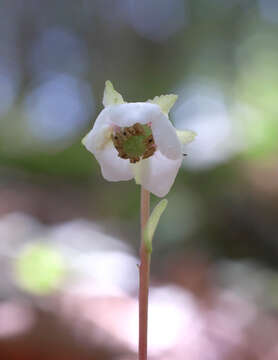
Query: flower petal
x=95 y=141
x=166 y=102
x=111 y=96
x=113 y=168
x=98 y=141
x=99 y=135
x=130 y=113
x=159 y=173
x=165 y=137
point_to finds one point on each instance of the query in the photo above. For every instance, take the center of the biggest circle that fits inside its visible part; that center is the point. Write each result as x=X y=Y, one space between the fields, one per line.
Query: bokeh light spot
x=40 y=269
x=58 y=109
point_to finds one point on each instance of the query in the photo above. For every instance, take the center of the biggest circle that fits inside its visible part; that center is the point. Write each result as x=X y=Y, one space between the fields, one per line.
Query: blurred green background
x=69 y=240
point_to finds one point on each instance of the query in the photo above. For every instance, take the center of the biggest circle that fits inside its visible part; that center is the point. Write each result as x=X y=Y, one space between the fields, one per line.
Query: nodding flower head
x=137 y=140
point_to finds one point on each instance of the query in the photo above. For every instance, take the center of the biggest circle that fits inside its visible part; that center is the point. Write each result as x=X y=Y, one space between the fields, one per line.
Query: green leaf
x=186 y=136
x=40 y=269
x=111 y=96
x=165 y=102
x=152 y=223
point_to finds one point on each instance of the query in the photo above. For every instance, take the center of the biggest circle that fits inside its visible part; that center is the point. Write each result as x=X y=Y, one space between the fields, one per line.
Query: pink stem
x=144 y=272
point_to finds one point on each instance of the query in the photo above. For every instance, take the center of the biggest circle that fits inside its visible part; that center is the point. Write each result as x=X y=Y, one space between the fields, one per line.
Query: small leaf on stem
x=152 y=223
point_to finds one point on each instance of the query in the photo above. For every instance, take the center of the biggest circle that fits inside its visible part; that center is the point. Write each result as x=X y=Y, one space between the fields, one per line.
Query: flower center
x=134 y=142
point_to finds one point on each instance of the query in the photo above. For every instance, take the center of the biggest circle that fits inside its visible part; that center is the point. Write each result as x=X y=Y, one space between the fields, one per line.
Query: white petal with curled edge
x=95 y=142
x=165 y=137
x=113 y=168
x=111 y=96
x=99 y=136
x=159 y=173
x=166 y=102
x=130 y=113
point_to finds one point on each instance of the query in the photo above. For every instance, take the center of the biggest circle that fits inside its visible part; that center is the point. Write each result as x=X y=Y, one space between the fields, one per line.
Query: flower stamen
x=134 y=142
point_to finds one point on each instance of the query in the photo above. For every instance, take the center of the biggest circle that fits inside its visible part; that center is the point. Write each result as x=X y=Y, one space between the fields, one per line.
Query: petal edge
x=159 y=173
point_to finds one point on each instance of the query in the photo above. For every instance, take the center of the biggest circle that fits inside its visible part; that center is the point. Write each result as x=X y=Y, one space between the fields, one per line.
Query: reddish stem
x=144 y=272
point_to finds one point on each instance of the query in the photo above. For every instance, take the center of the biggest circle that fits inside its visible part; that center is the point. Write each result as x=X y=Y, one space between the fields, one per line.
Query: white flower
x=137 y=140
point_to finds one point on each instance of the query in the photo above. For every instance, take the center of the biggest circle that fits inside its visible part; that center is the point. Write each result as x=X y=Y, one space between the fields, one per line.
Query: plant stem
x=144 y=272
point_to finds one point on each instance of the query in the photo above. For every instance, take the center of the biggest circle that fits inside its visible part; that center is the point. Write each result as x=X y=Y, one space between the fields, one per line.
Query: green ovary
x=135 y=145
